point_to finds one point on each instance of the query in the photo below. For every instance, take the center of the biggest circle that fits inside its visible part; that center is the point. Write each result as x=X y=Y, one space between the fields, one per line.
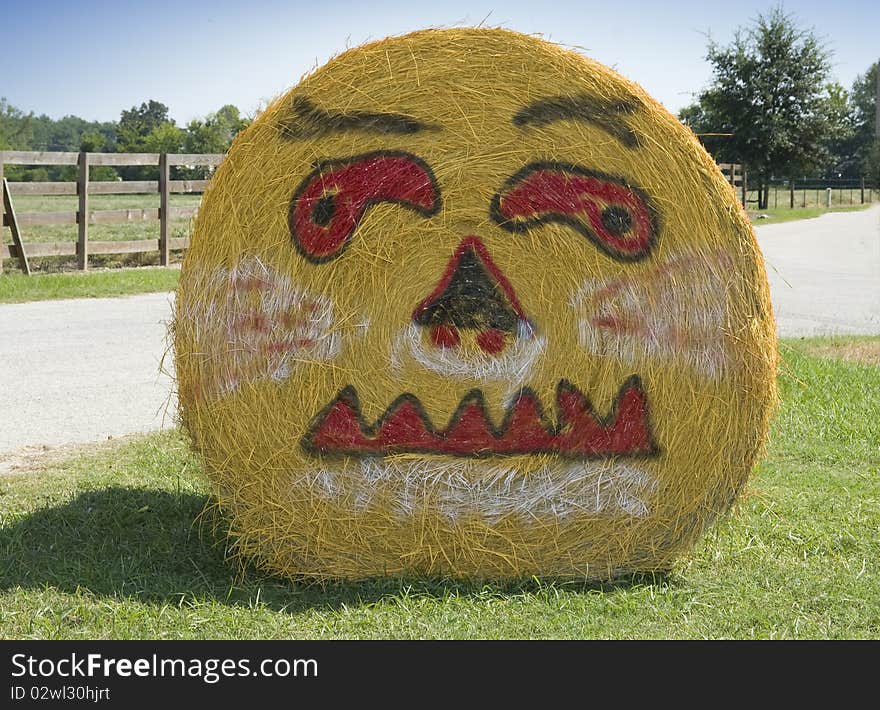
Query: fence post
x=13 y=227
x=791 y=193
x=828 y=197
x=745 y=188
x=164 y=195
x=2 y=240
x=82 y=216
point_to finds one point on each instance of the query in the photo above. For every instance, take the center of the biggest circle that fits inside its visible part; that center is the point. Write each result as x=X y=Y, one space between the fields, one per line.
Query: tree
x=138 y=122
x=215 y=133
x=863 y=98
x=16 y=127
x=840 y=134
x=95 y=142
x=165 y=138
x=146 y=129
x=769 y=90
x=67 y=133
x=92 y=142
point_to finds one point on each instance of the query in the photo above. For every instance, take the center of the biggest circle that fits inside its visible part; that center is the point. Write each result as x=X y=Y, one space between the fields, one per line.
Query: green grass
x=124 y=231
x=780 y=197
x=785 y=214
x=17 y=288
x=807 y=203
x=111 y=545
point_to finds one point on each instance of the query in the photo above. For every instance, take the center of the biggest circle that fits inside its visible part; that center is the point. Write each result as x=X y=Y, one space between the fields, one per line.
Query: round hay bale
x=467 y=303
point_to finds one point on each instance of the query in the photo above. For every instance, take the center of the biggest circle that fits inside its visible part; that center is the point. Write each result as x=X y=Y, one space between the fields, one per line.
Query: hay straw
x=265 y=339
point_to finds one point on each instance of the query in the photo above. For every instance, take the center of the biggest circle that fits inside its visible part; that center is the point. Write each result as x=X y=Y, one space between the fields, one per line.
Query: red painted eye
x=330 y=202
x=617 y=217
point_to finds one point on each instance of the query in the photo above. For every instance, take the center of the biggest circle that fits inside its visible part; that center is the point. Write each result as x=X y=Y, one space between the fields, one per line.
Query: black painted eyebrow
x=310 y=121
x=608 y=114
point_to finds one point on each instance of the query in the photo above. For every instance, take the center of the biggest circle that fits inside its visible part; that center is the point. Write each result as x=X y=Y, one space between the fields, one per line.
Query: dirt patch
x=29 y=459
x=866 y=352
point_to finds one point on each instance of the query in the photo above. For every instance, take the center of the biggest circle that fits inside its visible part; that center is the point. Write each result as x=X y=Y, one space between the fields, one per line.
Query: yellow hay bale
x=464 y=302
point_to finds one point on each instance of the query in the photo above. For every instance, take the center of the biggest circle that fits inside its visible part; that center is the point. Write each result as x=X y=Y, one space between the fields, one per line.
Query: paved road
x=825 y=273
x=82 y=370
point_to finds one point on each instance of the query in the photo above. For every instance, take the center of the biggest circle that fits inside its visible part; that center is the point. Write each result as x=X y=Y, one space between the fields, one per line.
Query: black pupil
x=323 y=210
x=616 y=220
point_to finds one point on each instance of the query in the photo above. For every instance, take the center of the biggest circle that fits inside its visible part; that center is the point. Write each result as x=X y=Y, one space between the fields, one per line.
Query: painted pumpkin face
x=463 y=302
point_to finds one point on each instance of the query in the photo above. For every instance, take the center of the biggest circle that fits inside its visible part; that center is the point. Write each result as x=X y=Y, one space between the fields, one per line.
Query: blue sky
x=94 y=58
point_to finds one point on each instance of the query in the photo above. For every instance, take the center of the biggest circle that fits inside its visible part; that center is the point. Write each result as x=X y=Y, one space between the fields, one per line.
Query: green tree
x=16 y=127
x=770 y=91
x=840 y=134
x=214 y=134
x=863 y=98
x=66 y=134
x=137 y=123
x=94 y=142
x=146 y=129
x=165 y=138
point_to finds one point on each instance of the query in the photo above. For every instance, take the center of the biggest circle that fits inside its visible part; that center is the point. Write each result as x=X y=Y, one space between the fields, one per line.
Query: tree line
x=147 y=128
x=772 y=106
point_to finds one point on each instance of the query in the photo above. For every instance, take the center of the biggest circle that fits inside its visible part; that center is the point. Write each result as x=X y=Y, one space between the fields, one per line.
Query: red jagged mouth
x=339 y=429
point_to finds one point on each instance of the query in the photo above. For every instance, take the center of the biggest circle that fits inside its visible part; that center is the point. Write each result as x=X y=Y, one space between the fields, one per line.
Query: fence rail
x=83 y=217
x=735 y=174
x=809 y=193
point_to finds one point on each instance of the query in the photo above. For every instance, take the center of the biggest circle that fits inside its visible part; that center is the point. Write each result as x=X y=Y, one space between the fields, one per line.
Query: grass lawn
x=111 y=544
x=785 y=214
x=17 y=288
x=99 y=232
x=808 y=203
x=125 y=231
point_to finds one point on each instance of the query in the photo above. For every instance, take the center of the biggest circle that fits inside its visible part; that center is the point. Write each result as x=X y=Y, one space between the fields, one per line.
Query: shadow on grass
x=154 y=546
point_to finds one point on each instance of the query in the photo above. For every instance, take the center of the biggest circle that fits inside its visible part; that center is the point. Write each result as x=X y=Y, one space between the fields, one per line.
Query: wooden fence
x=736 y=176
x=83 y=217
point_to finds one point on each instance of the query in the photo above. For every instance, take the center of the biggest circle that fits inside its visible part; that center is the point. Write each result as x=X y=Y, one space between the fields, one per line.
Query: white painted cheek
x=259 y=326
x=673 y=313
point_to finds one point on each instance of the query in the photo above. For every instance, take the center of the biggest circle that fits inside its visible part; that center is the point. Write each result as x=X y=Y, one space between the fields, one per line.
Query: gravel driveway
x=825 y=273
x=82 y=370
x=85 y=369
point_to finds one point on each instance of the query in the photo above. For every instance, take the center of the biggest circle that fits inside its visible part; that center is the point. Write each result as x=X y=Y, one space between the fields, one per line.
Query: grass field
x=111 y=544
x=807 y=197
x=18 y=288
x=99 y=232
x=784 y=214
x=126 y=231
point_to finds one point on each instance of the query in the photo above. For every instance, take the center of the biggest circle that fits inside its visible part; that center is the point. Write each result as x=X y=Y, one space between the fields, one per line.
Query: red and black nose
x=473 y=294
